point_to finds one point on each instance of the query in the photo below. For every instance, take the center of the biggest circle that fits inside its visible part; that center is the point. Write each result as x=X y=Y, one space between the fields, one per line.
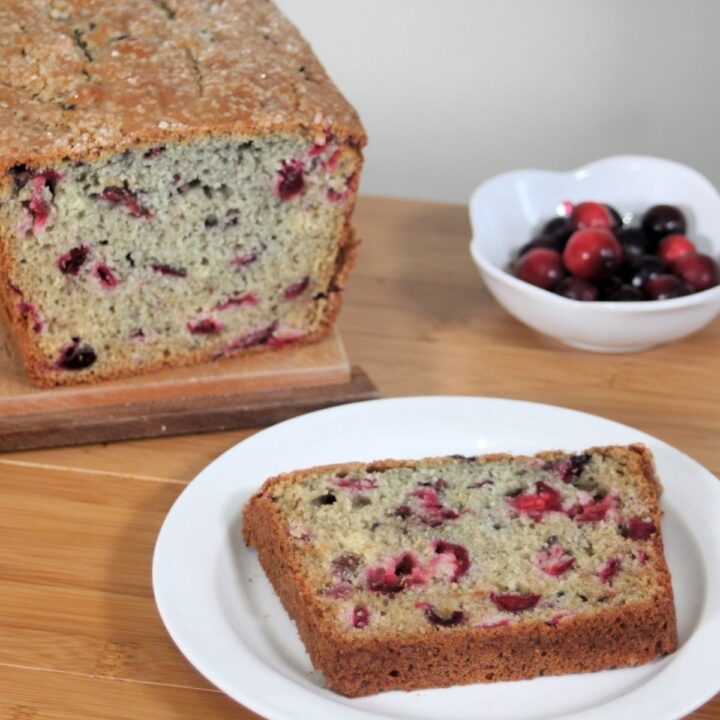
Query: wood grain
x=158 y=416
x=79 y=634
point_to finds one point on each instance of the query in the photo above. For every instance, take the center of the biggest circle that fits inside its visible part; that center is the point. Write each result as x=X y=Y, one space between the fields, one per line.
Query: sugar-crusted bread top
x=406 y=547
x=86 y=77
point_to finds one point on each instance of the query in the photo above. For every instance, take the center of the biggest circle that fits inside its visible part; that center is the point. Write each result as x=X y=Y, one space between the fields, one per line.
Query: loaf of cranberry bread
x=430 y=573
x=176 y=184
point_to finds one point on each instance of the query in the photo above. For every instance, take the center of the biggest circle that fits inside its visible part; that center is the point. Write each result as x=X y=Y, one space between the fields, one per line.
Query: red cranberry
x=76 y=356
x=699 y=271
x=577 y=289
x=361 y=617
x=126 y=199
x=296 y=289
x=459 y=553
x=673 y=247
x=591 y=215
x=542 y=241
x=609 y=570
x=593 y=511
x=290 y=182
x=540 y=267
x=664 y=287
x=554 y=560
x=633 y=241
x=592 y=254
x=514 y=603
x=206 y=326
x=662 y=220
x=71 y=262
x=559 y=228
x=106 y=276
x=545 y=499
x=637 y=529
x=170 y=270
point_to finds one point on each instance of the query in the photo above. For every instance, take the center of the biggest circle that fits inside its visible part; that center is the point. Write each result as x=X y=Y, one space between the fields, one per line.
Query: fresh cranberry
x=575 y=288
x=455 y=618
x=361 y=617
x=546 y=499
x=106 y=276
x=637 y=271
x=76 y=356
x=296 y=289
x=673 y=247
x=180 y=272
x=554 y=560
x=609 y=570
x=206 y=326
x=430 y=508
x=637 y=529
x=71 y=262
x=559 y=228
x=633 y=241
x=699 y=271
x=542 y=241
x=510 y=602
x=291 y=181
x=662 y=220
x=664 y=287
x=591 y=215
x=540 y=267
x=248 y=299
x=261 y=336
x=458 y=553
x=592 y=254
x=126 y=199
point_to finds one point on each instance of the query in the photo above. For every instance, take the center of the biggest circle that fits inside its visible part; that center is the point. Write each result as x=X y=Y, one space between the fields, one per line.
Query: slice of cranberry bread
x=176 y=185
x=444 y=571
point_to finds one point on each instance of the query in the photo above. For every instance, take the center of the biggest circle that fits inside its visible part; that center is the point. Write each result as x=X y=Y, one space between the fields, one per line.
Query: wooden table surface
x=80 y=638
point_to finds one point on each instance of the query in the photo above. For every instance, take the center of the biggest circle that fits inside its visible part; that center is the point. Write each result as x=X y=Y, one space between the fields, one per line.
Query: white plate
x=223 y=615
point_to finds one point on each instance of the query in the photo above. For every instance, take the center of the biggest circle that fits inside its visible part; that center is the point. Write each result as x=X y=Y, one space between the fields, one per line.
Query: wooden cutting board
x=230 y=393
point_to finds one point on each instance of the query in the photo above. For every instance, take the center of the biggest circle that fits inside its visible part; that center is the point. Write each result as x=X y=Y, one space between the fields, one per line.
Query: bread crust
x=360 y=665
x=81 y=86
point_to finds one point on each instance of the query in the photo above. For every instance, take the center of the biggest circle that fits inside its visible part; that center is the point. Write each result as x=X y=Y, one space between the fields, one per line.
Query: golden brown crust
x=610 y=638
x=87 y=78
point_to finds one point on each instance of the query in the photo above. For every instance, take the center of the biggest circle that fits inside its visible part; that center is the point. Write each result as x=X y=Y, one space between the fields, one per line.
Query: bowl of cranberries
x=618 y=256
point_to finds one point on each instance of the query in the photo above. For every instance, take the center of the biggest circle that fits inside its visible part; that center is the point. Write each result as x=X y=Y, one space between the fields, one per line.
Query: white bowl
x=507 y=210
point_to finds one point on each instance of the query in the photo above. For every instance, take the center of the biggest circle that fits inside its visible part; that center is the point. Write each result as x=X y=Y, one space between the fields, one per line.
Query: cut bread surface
x=174 y=252
x=427 y=556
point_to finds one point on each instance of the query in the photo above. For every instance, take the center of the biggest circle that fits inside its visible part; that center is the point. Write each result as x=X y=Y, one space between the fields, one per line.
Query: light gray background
x=454 y=91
